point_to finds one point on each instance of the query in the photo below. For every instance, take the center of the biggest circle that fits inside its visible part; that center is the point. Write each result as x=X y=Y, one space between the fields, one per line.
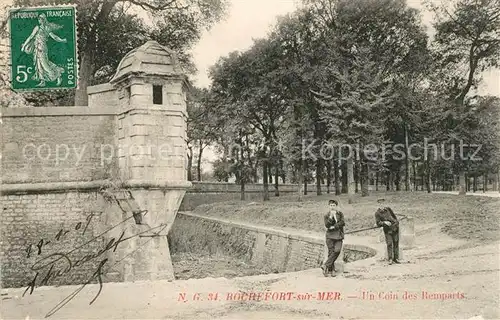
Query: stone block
x=175 y=98
x=407 y=232
x=176 y=131
x=175 y=121
x=141 y=100
x=137 y=173
x=259 y=248
x=139 y=140
x=138 y=88
x=137 y=130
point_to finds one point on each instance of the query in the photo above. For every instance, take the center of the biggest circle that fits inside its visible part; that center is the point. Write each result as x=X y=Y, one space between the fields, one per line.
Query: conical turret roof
x=149 y=59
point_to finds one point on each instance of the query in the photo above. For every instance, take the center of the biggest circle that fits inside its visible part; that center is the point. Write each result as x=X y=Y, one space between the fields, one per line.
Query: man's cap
x=333 y=201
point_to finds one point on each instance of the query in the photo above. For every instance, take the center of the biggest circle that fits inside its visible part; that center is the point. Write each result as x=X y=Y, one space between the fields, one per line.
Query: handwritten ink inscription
x=58 y=236
x=55 y=265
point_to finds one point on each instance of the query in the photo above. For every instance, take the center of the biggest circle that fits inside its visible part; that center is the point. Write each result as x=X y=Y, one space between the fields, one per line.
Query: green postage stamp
x=43 y=48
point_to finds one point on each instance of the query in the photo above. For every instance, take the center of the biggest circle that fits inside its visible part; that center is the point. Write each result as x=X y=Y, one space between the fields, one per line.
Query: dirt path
x=464 y=274
x=491 y=194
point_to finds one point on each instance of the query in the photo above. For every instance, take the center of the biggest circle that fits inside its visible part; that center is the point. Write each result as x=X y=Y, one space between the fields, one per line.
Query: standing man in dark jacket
x=334 y=223
x=385 y=218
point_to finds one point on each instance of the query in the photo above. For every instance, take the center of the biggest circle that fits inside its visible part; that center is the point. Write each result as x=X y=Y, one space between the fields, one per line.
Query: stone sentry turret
x=148 y=160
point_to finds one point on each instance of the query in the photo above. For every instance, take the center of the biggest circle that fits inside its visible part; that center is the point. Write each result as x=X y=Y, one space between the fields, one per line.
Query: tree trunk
x=84 y=75
x=377 y=173
x=422 y=177
x=407 y=161
x=328 y=175
x=265 y=177
x=462 y=185
x=300 y=178
x=350 y=179
x=304 y=185
x=495 y=182
x=88 y=55
x=336 y=171
x=306 y=176
x=276 y=181
x=434 y=184
x=474 y=182
x=364 y=179
x=255 y=174
x=428 y=173
x=319 y=169
x=298 y=136
x=485 y=182
x=345 y=181
x=388 y=183
x=283 y=173
x=242 y=189
x=251 y=167
x=497 y=179
x=200 y=153
x=415 y=185
x=356 y=176
x=243 y=176
x=397 y=179
x=190 y=164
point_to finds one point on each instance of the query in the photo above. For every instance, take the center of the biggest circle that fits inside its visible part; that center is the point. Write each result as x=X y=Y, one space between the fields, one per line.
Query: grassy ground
x=189 y=266
x=469 y=217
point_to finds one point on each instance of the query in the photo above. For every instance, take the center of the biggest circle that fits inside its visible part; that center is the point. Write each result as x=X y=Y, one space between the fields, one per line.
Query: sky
x=249 y=19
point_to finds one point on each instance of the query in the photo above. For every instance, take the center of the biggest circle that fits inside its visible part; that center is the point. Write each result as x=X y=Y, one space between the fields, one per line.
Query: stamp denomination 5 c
x=43 y=48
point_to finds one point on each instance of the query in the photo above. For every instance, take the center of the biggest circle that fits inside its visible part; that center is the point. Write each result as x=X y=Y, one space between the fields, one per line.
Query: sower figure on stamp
x=334 y=223
x=385 y=218
x=37 y=45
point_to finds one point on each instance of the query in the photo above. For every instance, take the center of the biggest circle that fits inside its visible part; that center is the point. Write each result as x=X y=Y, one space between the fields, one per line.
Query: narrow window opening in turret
x=157 y=94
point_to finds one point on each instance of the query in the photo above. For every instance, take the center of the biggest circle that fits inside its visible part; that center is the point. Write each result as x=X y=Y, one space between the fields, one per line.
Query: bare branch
x=145 y=5
x=472 y=37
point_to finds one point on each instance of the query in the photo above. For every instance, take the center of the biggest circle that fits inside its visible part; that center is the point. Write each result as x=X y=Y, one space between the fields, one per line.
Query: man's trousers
x=334 y=248
x=392 y=241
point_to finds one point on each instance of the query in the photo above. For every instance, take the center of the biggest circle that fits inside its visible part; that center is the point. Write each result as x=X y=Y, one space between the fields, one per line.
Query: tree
x=201 y=128
x=390 y=38
x=356 y=115
x=249 y=89
x=483 y=129
x=467 y=42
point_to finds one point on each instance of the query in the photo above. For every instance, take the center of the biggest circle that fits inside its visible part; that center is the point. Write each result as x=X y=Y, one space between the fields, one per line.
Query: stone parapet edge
x=315 y=239
x=66 y=111
x=57 y=111
x=20 y=188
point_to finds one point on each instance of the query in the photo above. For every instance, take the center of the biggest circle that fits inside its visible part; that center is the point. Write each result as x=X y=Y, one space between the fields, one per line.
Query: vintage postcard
x=264 y=159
